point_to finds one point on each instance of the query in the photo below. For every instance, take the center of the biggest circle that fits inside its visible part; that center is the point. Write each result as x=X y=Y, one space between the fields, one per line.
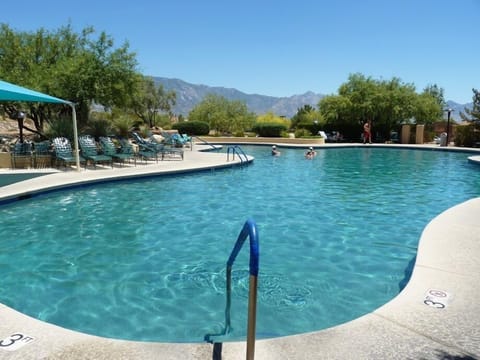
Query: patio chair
x=63 y=152
x=22 y=155
x=121 y=154
x=42 y=154
x=90 y=152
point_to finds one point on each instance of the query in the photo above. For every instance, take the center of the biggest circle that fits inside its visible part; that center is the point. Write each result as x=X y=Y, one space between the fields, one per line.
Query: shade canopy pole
x=75 y=136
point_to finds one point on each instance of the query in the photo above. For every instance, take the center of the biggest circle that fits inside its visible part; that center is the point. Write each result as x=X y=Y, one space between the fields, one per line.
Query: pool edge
x=405 y=327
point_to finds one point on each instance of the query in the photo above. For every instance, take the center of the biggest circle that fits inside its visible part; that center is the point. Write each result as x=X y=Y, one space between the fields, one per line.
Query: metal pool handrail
x=235 y=149
x=249 y=229
x=204 y=142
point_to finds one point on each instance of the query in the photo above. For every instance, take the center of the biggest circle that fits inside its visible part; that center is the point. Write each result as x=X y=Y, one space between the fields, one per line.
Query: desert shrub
x=269 y=129
x=144 y=131
x=192 y=127
x=466 y=135
x=123 y=125
x=163 y=121
x=61 y=127
x=312 y=128
x=99 y=127
x=302 y=132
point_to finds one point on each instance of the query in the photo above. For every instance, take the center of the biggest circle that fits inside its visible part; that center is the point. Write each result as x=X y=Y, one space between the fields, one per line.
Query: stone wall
x=265 y=140
x=5 y=160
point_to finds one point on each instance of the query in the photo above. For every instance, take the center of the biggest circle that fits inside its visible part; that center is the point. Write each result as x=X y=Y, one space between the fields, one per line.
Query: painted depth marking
x=437 y=298
x=15 y=341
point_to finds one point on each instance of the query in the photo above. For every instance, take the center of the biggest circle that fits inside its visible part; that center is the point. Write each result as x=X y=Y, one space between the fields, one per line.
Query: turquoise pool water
x=145 y=260
x=7 y=179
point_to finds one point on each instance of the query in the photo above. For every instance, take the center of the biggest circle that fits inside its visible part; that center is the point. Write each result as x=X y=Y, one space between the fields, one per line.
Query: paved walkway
x=436 y=316
x=194 y=161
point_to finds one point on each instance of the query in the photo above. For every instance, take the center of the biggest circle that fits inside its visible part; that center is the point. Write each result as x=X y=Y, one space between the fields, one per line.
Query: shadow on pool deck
x=436 y=316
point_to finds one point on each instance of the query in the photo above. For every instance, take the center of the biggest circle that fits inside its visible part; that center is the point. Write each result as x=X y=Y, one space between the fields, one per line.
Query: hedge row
x=269 y=129
x=192 y=127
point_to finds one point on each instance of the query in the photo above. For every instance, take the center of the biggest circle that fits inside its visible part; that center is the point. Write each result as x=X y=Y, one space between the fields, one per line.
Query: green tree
x=430 y=105
x=223 y=115
x=150 y=100
x=436 y=92
x=80 y=67
x=473 y=115
x=335 y=109
x=427 y=109
x=307 y=114
x=387 y=103
x=394 y=104
x=471 y=133
x=240 y=119
x=361 y=92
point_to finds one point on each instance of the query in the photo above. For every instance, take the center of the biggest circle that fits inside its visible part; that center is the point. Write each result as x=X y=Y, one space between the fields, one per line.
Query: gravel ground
x=10 y=127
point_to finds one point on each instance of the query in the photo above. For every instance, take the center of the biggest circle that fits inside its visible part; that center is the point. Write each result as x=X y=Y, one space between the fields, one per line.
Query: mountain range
x=189 y=95
x=457 y=109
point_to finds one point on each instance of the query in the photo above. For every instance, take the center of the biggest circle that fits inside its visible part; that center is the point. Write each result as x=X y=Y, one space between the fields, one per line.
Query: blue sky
x=282 y=48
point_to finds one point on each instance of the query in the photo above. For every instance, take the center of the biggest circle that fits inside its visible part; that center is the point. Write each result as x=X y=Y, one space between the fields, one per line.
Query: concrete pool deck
x=436 y=316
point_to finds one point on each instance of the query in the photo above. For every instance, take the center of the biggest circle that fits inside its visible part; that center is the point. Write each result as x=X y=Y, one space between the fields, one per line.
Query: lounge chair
x=172 y=152
x=151 y=149
x=63 y=152
x=126 y=147
x=174 y=144
x=183 y=139
x=120 y=154
x=175 y=139
x=147 y=149
x=89 y=150
x=186 y=138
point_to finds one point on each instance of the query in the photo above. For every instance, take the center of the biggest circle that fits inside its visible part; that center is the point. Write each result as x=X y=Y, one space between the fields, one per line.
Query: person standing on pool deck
x=367 y=132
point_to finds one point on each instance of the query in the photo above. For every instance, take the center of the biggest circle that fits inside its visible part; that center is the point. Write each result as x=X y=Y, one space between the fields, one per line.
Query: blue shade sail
x=11 y=92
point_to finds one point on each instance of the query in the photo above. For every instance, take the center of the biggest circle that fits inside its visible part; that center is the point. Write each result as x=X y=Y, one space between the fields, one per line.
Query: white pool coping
x=448 y=260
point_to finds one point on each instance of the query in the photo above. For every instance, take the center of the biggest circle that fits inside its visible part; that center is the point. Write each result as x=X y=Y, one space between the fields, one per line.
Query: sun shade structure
x=12 y=92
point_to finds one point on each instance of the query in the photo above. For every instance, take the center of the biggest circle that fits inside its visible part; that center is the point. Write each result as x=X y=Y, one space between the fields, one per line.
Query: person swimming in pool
x=310 y=153
x=275 y=152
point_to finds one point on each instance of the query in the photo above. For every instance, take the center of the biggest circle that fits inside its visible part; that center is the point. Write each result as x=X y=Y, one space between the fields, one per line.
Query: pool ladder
x=237 y=150
x=249 y=229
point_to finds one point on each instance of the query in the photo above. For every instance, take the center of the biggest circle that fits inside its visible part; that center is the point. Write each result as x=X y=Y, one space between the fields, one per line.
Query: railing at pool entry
x=249 y=229
x=205 y=142
x=237 y=150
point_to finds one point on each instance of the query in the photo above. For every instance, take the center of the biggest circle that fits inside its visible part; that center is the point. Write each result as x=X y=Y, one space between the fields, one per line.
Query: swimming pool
x=145 y=260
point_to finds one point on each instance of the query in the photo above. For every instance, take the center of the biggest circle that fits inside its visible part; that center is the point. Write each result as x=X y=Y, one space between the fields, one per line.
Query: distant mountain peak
x=189 y=95
x=457 y=109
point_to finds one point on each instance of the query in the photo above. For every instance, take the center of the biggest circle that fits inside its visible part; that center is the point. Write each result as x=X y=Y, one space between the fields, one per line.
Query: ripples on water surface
x=145 y=260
